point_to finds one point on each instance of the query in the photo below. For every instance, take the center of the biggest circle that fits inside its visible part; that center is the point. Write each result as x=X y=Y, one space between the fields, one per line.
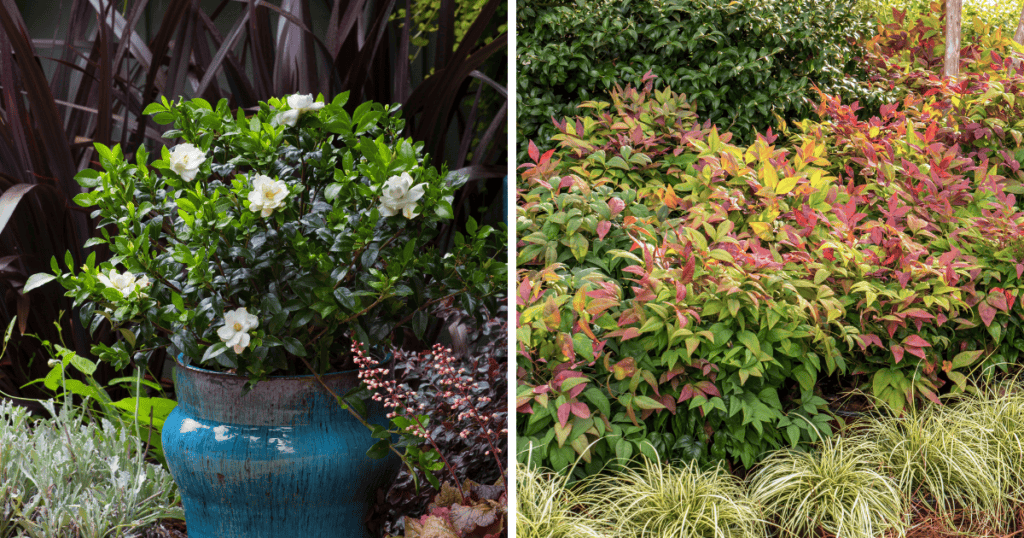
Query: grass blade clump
x=998 y=411
x=544 y=507
x=944 y=460
x=836 y=488
x=657 y=501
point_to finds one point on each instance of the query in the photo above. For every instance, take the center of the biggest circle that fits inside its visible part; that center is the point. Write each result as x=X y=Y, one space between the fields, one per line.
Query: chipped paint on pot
x=282 y=460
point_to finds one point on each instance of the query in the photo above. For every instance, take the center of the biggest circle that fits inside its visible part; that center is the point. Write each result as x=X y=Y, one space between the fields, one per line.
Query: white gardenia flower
x=185 y=160
x=298 y=104
x=235 y=332
x=400 y=196
x=124 y=283
x=267 y=195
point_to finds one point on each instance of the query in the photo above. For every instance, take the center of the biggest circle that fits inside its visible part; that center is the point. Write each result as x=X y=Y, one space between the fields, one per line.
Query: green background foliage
x=741 y=63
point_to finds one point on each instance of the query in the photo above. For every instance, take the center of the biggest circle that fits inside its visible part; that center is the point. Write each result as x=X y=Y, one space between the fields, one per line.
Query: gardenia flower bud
x=267 y=195
x=124 y=283
x=185 y=160
x=399 y=197
x=235 y=332
x=297 y=104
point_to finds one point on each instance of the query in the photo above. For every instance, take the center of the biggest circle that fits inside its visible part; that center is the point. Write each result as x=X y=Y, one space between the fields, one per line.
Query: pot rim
x=192 y=366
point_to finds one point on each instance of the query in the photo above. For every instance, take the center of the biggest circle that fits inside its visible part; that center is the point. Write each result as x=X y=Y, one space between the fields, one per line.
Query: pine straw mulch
x=927 y=524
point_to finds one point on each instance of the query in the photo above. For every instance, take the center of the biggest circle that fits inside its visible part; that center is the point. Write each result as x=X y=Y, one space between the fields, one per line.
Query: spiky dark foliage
x=58 y=96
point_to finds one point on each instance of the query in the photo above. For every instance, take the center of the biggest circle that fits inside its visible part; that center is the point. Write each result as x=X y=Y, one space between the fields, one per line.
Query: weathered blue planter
x=283 y=460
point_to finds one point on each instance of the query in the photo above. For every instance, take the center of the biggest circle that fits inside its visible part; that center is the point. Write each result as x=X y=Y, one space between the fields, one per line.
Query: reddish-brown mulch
x=167 y=528
x=928 y=524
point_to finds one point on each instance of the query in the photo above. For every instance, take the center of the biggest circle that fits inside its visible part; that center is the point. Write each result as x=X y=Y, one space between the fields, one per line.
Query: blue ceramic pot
x=283 y=460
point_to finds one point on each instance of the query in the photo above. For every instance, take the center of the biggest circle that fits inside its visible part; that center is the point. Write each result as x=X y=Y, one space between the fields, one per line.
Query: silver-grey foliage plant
x=62 y=478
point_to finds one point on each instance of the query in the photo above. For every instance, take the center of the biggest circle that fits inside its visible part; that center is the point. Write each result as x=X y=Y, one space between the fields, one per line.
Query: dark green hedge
x=739 y=62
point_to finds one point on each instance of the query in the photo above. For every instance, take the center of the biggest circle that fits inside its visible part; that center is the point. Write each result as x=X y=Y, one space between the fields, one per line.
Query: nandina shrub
x=979 y=110
x=689 y=298
x=657 y=318
x=942 y=236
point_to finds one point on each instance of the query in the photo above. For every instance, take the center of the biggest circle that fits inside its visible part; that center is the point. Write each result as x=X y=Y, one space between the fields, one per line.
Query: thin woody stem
x=340 y=399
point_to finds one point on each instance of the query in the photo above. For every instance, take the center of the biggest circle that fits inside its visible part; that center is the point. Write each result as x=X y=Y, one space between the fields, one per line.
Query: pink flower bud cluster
x=451 y=392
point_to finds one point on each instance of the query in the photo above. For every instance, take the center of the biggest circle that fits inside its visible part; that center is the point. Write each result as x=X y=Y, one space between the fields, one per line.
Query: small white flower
x=400 y=196
x=298 y=104
x=124 y=283
x=267 y=195
x=235 y=332
x=185 y=160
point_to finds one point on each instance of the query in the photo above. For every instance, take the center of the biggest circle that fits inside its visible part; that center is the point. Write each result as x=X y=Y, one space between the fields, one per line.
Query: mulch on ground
x=167 y=528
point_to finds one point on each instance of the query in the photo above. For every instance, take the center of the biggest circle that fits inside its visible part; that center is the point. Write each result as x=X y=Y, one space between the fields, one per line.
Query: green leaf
x=623 y=449
x=293 y=346
x=966 y=358
x=646 y=402
x=37 y=280
x=213 y=351
x=379 y=449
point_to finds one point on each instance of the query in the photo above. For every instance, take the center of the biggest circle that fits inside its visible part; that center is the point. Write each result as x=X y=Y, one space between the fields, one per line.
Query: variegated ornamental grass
x=999 y=412
x=837 y=488
x=656 y=500
x=545 y=507
x=945 y=459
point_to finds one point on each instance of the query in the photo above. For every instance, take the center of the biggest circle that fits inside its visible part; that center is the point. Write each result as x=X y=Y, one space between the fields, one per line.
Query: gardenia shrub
x=268 y=243
x=742 y=64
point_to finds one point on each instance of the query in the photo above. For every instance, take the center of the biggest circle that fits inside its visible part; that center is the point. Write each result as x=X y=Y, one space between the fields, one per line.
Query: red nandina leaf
x=916 y=341
x=931 y=396
x=524 y=292
x=525 y=409
x=687 y=275
x=916 y=351
x=897 y=351
x=602 y=228
x=1020 y=269
x=565 y=182
x=624 y=368
x=547 y=156
x=987 y=313
x=709 y=389
x=998 y=300
x=668 y=402
x=616 y=206
x=867 y=339
x=686 y=393
x=580 y=409
x=625 y=334
x=566 y=345
x=533 y=152
x=563 y=413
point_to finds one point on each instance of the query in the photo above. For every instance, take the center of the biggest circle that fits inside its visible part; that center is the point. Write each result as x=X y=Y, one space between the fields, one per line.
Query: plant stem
x=339 y=399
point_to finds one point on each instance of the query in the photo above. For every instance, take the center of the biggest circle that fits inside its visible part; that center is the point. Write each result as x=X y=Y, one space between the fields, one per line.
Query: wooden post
x=951 y=65
x=1018 y=36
